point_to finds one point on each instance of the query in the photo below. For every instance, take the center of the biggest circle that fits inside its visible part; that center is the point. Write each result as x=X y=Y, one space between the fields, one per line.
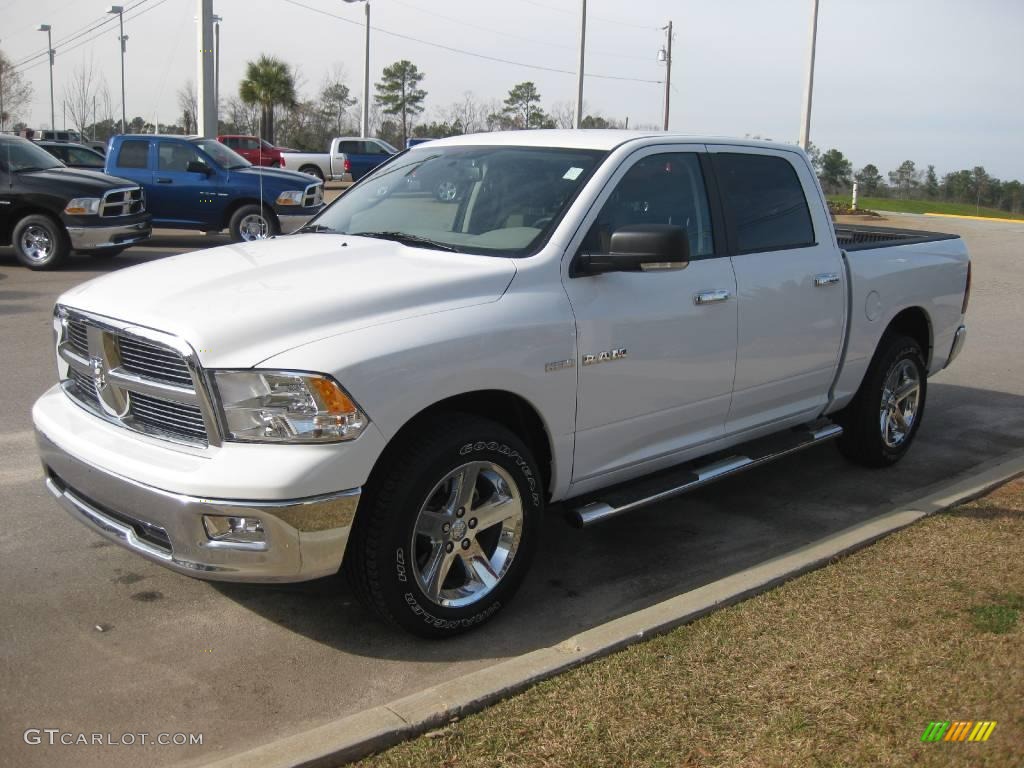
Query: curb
x=350 y=738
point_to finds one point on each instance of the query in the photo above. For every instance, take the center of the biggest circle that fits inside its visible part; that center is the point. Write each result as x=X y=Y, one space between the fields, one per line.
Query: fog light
x=240 y=530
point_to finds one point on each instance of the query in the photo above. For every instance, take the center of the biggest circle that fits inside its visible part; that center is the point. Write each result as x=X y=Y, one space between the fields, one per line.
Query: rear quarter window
x=133 y=154
x=765 y=202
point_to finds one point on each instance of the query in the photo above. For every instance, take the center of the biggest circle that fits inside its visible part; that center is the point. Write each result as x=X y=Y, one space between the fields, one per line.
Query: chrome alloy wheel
x=253 y=227
x=447 y=191
x=900 y=400
x=467 y=534
x=36 y=243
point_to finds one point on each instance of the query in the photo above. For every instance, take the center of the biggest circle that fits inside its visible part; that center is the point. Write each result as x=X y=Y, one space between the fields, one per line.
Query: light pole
x=583 y=48
x=665 y=56
x=119 y=10
x=805 y=124
x=49 y=46
x=216 y=60
x=365 y=129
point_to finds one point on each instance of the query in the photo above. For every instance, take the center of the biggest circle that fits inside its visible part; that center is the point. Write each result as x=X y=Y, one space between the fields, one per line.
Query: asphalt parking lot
x=96 y=639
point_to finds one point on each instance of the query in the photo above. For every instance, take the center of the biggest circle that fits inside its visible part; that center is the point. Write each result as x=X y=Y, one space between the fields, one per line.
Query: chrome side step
x=620 y=499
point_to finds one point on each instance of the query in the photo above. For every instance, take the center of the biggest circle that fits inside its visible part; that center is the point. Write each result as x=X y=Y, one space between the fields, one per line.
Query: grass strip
x=844 y=666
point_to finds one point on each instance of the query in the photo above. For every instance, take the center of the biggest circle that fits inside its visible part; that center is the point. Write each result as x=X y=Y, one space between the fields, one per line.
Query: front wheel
x=252 y=222
x=40 y=242
x=447 y=528
x=883 y=419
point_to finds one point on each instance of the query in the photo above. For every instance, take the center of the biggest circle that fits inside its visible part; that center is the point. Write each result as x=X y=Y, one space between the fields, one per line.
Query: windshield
x=387 y=146
x=22 y=155
x=226 y=158
x=499 y=201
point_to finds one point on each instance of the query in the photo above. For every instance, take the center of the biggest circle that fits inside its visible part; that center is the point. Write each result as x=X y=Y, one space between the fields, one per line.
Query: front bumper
x=304 y=538
x=119 y=236
x=293 y=219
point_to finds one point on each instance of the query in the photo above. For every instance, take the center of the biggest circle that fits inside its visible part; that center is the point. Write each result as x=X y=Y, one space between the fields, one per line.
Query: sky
x=934 y=81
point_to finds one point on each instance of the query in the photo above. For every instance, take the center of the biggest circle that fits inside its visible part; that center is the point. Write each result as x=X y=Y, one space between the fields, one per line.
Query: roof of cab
x=601 y=139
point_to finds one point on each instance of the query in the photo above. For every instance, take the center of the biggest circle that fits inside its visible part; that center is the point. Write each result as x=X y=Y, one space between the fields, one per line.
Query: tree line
x=907 y=181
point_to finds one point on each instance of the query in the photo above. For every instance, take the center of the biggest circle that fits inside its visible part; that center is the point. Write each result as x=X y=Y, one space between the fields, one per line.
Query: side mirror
x=639 y=248
x=194 y=166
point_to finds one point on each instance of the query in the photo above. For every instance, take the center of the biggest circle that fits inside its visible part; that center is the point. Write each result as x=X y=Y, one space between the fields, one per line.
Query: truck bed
x=858 y=237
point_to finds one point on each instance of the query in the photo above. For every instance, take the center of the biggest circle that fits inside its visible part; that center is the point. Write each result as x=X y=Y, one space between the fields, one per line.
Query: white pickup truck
x=603 y=319
x=349 y=158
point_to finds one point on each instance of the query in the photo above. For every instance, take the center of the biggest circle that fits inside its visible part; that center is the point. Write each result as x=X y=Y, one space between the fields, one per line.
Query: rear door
x=790 y=286
x=657 y=350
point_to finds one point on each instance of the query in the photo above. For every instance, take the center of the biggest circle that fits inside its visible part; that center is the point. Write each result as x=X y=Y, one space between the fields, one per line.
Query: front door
x=180 y=193
x=791 y=286
x=657 y=350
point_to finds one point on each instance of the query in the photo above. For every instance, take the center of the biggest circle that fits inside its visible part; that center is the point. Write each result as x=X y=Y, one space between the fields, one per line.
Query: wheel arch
x=19 y=213
x=512 y=411
x=915 y=323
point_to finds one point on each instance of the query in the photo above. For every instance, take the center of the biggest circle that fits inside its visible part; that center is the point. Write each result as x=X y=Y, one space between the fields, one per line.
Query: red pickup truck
x=254 y=149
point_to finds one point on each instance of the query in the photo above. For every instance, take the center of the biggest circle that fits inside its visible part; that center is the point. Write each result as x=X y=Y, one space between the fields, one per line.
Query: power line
x=514 y=36
x=483 y=56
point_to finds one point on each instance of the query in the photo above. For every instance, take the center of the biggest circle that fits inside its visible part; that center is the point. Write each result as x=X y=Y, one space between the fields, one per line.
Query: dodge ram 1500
x=602 y=319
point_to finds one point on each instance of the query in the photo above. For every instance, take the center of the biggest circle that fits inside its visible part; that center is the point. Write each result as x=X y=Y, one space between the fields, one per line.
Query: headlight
x=83 y=206
x=291 y=198
x=287 y=407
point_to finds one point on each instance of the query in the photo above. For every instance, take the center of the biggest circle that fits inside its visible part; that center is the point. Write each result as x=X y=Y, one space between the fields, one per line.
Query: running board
x=620 y=499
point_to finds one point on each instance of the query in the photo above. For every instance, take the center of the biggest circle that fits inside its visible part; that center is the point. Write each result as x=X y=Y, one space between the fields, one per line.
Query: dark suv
x=47 y=209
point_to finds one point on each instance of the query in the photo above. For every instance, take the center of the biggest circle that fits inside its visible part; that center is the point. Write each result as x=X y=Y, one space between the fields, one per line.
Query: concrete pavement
x=245 y=665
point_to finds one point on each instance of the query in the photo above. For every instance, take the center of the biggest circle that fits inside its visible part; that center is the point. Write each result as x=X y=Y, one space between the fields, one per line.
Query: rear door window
x=133 y=154
x=765 y=202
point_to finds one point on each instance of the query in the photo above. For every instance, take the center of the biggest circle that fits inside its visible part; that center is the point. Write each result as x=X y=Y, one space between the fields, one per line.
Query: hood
x=280 y=177
x=77 y=181
x=240 y=304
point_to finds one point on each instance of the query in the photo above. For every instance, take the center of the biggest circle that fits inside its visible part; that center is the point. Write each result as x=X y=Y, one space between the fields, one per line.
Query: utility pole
x=364 y=130
x=216 y=61
x=49 y=45
x=205 y=80
x=119 y=10
x=665 y=55
x=583 y=49
x=805 y=124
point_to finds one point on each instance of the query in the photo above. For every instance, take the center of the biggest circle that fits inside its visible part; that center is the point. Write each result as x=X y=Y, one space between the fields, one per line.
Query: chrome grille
x=153 y=361
x=133 y=377
x=313 y=196
x=123 y=202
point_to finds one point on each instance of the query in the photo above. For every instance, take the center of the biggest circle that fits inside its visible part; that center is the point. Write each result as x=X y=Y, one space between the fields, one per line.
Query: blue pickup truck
x=197 y=183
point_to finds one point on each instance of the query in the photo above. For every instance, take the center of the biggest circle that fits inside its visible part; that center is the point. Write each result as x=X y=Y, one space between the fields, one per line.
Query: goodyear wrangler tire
x=448 y=527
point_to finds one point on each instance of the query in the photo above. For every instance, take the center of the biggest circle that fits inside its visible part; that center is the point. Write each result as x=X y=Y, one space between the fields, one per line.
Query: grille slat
x=123 y=202
x=147 y=413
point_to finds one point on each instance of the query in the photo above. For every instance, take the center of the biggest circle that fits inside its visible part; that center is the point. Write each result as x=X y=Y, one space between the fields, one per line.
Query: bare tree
x=244 y=117
x=188 y=102
x=564 y=114
x=468 y=114
x=15 y=91
x=82 y=94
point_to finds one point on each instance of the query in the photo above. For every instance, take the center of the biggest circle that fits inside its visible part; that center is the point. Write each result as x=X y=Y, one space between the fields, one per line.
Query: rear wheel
x=252 y=222
x=447 y=529
x=312 y=170
x=883 y=419
x=40 y=242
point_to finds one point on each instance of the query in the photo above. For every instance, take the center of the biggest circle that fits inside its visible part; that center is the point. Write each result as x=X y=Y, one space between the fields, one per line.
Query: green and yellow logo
x=959 y=730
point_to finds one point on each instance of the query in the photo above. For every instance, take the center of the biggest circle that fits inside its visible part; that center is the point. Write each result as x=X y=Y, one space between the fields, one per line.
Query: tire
x=882 y=421
x=40 y=242
x=448 y=192
x=312 y=170
x=408 y=520
x=245 y=227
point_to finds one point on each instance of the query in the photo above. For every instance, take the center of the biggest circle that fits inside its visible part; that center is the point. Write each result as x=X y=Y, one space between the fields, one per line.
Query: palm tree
x=268 y=82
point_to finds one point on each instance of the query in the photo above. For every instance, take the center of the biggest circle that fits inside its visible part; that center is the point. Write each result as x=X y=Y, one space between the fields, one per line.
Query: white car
x=604 y=319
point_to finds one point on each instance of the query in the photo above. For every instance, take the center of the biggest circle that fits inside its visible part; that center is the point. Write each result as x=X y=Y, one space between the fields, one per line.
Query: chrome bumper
x=304 y=538
x=958 y=344
x=94 y=238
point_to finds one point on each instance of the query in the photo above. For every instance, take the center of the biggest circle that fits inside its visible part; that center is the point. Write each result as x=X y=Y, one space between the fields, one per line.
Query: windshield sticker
x=573 y=173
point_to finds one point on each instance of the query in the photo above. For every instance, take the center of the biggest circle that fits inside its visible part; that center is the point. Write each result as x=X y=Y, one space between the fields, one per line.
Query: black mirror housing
x=640 y=248
x=194 y=166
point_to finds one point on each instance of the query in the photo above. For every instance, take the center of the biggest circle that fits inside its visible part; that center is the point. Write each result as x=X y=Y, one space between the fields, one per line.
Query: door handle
x=829 y=278
x=710 y=297
x=164 y=181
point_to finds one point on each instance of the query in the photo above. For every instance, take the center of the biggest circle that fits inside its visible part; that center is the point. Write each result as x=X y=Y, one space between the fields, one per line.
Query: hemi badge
x=558 y=365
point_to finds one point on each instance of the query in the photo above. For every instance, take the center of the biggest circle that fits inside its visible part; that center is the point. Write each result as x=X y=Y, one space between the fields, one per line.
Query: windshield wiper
x=34 y=168
x=408 y=239
x=315 y=228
